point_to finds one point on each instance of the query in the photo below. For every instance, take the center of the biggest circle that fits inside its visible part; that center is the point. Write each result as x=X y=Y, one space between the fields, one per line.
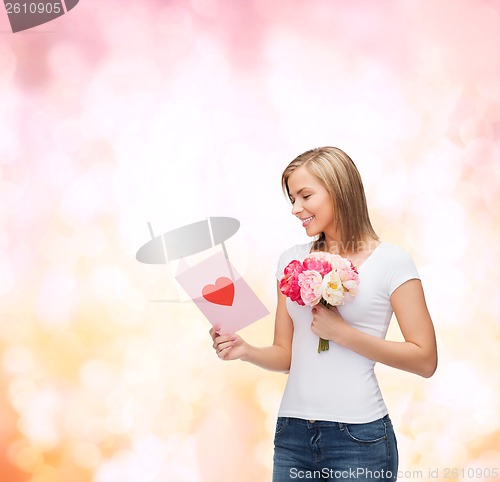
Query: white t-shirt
x=340 y=385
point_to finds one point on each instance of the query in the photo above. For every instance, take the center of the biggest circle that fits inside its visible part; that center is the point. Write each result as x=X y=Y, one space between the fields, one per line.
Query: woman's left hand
x=327 y=323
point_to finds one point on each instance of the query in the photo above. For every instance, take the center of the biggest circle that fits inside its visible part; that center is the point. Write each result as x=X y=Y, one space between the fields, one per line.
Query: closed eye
x=303 y=197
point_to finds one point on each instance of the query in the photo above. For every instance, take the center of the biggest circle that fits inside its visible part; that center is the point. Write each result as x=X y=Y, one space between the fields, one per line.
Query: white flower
x=332 y=290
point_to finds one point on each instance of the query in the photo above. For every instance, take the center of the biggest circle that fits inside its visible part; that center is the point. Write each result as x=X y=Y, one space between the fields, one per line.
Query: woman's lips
x=306 y=221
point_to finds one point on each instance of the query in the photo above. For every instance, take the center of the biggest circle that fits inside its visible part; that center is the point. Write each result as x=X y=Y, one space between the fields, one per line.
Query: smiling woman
x=336 y=190
x=348 y=430
x=311 y=203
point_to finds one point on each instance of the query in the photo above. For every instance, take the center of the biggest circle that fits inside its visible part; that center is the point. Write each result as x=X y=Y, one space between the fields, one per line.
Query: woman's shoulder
x=298 y=251
x=394 y=251
x=397 y=265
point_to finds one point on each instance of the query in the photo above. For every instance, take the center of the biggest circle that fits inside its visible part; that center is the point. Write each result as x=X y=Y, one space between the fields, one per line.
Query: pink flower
x=339 y=263
x=289 y=284
x=345 y=269
x=318 y=261
x=310 y=287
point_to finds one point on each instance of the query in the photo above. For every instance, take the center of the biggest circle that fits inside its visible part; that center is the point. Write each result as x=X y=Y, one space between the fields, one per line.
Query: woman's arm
x=417 y=354
x=275 y=357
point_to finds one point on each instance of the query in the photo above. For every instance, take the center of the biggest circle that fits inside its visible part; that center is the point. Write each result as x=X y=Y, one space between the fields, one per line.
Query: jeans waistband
x=327 y=423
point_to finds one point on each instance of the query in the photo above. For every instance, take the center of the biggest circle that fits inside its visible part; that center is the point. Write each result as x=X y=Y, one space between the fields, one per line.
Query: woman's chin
x=312 y=232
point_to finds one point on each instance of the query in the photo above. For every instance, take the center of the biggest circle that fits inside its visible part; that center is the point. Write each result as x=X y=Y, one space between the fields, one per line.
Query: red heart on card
x=221 y=293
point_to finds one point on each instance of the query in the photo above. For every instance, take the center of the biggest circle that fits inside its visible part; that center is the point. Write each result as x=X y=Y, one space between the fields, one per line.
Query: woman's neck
x=350 y=248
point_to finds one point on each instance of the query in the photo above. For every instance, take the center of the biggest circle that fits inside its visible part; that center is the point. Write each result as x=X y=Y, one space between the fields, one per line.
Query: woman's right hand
x=228 y=347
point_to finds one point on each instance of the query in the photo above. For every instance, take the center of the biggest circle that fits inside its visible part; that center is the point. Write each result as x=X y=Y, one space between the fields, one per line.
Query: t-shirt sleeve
x=402 y=269
x=281 y=266
x=299 y=251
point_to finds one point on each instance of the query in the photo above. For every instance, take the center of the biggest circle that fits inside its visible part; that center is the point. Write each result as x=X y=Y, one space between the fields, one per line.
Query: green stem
x=323 y=344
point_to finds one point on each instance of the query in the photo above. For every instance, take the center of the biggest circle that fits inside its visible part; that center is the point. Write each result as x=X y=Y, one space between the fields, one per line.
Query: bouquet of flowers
x=323 y=278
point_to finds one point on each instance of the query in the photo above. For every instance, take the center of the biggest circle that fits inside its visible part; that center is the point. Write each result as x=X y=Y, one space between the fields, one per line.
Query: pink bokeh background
x=122 y=113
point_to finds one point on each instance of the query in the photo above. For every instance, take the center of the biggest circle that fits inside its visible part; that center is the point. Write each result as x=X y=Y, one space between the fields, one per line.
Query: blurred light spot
x=215 y=69
x=57 y=249
x=9 y=146
x=97 y=375
x=453 y=447
x=181 y=413
x=38 y=421
x=90 y=242
x=445 y=237
x=113 y=469
x=66 y=62
x=391 y=191
x=447 y=299
x=207 y=8
x=67 y=135
x=175 y=30
x=38 y=128
x=110 y=282
x=28 y=458
x=95 y=429
x=151 y=451
x=120 y=420
x=87 y=455
x=8 y=62
x=471 y=129
x=465 y=390
x=483 y=466
x=269 y=395
x=99 y=122
x=21 y=392
x=489 y=88
x=55 y=301
x=46 y=473
x=83 y=199
x=18 y=360
x=264 y=454
x=436 y=171
x=55 y=168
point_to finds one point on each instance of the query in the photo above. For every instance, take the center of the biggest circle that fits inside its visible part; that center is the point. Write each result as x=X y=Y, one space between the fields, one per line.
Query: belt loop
x=341 y=426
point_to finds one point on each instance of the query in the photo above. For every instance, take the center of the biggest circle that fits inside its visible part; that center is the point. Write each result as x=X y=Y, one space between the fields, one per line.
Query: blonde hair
x=336 y=170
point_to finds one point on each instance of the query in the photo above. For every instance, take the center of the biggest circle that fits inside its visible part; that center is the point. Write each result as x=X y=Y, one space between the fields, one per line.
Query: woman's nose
x=296 y=208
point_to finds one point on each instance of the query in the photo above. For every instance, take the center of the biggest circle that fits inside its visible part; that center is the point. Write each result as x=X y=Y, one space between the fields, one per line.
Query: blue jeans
x=320 y=450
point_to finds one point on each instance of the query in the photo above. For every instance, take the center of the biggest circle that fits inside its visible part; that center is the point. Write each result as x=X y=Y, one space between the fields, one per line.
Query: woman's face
x=311 y=203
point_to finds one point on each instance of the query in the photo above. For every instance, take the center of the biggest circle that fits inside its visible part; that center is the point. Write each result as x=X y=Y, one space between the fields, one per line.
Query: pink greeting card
x=220 y=293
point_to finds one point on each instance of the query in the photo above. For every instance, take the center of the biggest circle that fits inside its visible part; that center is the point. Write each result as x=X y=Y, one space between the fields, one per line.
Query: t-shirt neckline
x=370 y=256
